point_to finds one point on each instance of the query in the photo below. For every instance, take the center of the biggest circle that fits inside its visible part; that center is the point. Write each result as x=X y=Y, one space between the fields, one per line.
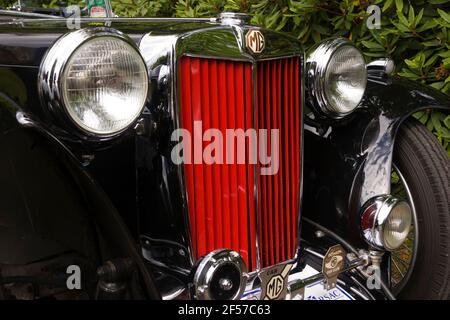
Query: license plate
x=316 y=290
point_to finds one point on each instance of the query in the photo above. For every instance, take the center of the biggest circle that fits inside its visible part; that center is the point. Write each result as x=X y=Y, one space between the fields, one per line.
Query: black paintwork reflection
x=344 y=167
x=351 y=162
x=25 y=43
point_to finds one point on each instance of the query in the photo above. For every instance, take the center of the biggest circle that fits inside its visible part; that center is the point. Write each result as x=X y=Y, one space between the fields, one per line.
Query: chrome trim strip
x=200 y=43
x=381 y=67
x=176 y=116
x=416 y=230
x=233 y=18
x=175 y=294
x=255 y=170
x=158 y=50
x=302 y=66
x=21 y=14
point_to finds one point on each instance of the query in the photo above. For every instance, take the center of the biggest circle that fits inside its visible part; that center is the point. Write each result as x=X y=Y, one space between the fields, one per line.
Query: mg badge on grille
x=254 y=40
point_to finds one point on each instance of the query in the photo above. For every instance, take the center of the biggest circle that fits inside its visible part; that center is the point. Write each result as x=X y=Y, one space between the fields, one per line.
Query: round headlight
x=98 y=78
x=397 y=226
x=386 y=222
x=337 y=77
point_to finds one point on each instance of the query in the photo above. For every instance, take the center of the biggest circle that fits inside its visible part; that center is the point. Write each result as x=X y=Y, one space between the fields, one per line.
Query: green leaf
x=444 y=54
x=422 y=116
x=402 y=18
x=399 y=5
x=408 y=74
x=430 y=126
x=319 y=28
x=429 y=24
x=432 y=43
x=444 y=133
x=414 y=64
x=446 y=63
x=387 y=5
x=444 y=15
x=437 y=85
x=372 y=45
x=431 y=61
x=411 y=16
x=316 y=36
x=436 y=120
x=447 y=121
x=419 y=114
x=418 y=18
x=402 y=27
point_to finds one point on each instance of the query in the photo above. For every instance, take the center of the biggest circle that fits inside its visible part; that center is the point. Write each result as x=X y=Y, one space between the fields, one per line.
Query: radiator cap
x=233 y=18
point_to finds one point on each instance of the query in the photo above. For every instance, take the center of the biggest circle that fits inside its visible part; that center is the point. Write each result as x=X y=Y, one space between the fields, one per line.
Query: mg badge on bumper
x=274 y=281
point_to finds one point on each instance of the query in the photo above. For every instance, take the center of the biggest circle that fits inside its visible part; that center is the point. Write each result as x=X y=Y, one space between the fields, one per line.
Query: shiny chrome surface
x=51 y=75
x=233 y=18
x=381 y=67
x=218 y=40
x=373 y=219
x=176 y=293
x=300 y=278
x=255 y=175
x=317 y=62
x=208 y=268
x=20 y=14
x=411 y=244
x=158 y=51
x=302 y=84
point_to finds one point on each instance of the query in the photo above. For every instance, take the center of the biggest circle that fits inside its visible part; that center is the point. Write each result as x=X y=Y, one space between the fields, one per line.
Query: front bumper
x=350 y=284
x=304 y=282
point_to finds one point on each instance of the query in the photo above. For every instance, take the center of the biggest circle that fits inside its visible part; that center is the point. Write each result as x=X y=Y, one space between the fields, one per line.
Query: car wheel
x=420 y=269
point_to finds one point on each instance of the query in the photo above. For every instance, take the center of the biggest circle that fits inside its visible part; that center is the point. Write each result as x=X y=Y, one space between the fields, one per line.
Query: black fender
x=49 y=202
x=42 y=212
x=349 y=162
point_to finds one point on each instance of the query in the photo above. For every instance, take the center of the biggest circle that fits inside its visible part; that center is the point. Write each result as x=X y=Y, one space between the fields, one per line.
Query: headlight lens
x=104 y=85
x=397 y=226
x=345 y=79
x=386 y=222
x=337 y=77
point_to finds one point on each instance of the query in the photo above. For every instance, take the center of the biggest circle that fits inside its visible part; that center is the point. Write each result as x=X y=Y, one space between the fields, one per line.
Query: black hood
x=25 y=41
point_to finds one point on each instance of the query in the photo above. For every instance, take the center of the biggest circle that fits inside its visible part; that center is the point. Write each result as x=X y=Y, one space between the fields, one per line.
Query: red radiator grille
x=221 y=197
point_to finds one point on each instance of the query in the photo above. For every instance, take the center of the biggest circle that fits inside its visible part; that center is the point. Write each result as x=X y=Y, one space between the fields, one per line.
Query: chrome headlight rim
x=53 y=69
x=317 y=63
x=374 y=217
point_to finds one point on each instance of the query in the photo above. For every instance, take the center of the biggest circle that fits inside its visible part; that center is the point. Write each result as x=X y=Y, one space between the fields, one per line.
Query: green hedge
x=415 y=33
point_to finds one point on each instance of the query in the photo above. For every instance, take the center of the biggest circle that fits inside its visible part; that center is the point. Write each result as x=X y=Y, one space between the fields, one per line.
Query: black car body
x=68 y=197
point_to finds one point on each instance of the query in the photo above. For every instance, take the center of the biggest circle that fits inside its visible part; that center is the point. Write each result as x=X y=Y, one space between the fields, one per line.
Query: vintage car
x=114 y=182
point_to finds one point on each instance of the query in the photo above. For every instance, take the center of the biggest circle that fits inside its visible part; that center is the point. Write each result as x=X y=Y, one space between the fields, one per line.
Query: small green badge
x=98 y=8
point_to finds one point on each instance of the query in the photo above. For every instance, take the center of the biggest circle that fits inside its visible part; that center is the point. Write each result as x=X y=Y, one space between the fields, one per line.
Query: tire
x=426 y=169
